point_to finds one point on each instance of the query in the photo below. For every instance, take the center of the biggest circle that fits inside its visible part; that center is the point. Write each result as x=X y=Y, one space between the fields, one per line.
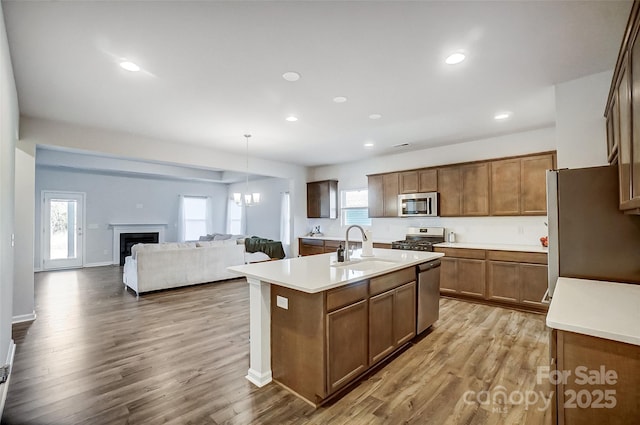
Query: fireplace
x=119 y=229
x=127 y=240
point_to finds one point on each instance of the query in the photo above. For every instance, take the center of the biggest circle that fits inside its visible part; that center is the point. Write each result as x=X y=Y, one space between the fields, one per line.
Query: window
x=234 y=218
x=194 y=217
x=355 y=207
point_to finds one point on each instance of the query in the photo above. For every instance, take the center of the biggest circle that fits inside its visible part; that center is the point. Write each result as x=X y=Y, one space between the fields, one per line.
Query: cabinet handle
x=546 y=299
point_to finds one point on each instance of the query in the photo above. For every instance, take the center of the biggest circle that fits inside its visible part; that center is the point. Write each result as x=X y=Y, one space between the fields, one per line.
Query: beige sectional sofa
x=151 y=267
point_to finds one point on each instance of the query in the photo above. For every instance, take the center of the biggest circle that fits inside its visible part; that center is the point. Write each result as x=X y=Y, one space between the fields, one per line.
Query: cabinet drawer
x=314 y=242
x=333 y=245
x=382 y=245
x=340 y=297
x=474 y=254
x=392 y=280
x=518 y=256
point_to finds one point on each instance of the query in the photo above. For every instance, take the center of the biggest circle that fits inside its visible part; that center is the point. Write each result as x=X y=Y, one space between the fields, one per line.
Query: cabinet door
x=381 y=338
x=448 y=275
x=505 y=187
x=635 y=122
x=471 y=277
x=534 y=283
x=612 y=143
x=409 y=182
x=624 y=156
x=534 y=184
x=376 y=196
x=449 y=187
x=428 y=180
x=404 y=313
x=347 y=344
x=503 y=281
x=314 y=196
x=310 y=247
x=475 y=189
x=391 y=190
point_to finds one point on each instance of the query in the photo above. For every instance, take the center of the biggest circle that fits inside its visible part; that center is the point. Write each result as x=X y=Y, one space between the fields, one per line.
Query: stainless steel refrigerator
x=589 y=237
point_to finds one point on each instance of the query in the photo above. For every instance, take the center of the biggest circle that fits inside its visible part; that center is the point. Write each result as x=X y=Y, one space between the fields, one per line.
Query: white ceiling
x=212 y=71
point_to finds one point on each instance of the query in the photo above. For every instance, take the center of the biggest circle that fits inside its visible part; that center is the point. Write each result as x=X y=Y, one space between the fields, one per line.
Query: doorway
x=62 y=230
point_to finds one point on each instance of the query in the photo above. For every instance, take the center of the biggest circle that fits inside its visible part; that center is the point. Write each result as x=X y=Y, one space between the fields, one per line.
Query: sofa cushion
x=159 y=247
x=206 y=244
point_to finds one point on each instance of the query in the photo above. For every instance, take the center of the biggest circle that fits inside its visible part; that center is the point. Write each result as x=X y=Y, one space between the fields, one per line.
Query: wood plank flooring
x=98 y=355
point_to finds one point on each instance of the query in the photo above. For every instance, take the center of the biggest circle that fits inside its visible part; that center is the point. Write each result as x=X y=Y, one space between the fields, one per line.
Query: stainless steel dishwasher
x=428 y=294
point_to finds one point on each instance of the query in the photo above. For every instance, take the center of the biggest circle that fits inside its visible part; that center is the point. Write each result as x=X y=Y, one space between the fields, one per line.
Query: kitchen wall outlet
x=282 y=302
x=520 y=230
x=92 y=226
x=139 y=206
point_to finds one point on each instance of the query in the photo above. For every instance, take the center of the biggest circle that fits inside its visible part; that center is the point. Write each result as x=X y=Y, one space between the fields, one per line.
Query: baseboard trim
x=24 y=318
x=102 y=264
x=4 y=388
x=37 y=269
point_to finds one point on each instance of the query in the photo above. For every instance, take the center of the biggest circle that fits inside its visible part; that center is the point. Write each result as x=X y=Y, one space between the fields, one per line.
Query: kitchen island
x=330 y=322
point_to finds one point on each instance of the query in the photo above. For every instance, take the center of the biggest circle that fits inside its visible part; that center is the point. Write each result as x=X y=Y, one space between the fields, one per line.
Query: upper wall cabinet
x=518 y=185
x=508 y=186
x=322 y=199
x=419 y=181
x=383 y=194
x=622 y=115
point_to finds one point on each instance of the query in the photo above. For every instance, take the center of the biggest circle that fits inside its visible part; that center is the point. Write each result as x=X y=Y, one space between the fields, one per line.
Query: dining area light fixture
x=247 y=198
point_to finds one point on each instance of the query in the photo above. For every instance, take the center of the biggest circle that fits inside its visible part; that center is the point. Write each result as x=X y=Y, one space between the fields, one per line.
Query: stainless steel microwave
x=418 y=205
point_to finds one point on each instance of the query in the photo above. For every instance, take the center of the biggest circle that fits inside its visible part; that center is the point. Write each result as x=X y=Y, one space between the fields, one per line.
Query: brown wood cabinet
x=622 y=115
x=475 y=189
x=317 y=245
x=462 y=272
x=392 y=320
x=322 y=199
x=321 y=342
x=577 y=403
x=419 y=181
x=509 y=186
x=506 y=277
x=518 y=185
x=347 y=341
x=383 y=191
x=450 y=189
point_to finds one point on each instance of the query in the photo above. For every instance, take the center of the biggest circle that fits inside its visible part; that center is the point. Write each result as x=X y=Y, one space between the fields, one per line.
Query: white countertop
x=607 y=310
x=494 y=246
x=352 y=238
x=314 y=273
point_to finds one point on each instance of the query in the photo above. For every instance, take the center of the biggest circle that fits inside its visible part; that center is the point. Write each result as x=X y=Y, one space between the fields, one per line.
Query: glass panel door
x=62 y=227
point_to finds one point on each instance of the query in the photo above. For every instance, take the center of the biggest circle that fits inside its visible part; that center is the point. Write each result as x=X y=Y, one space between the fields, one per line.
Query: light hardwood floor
x=98 y=355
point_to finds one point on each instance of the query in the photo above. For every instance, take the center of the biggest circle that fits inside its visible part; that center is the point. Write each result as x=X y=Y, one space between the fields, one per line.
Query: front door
x=62 y=225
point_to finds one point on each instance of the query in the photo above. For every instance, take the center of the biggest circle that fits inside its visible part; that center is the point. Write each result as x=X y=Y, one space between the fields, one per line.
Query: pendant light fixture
x=248 y=199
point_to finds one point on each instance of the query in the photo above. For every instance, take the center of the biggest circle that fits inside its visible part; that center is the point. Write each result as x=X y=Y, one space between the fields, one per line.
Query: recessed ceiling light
x=339 y=99
x=291 y=118
x=501 y=116
x=368 y=145
x=455 y=58
x=291 y=76
x=375 y=116
x=129 y=66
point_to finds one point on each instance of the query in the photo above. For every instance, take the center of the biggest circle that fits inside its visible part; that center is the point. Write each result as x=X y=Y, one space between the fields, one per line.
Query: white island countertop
x=608 y=310
x=315 y=273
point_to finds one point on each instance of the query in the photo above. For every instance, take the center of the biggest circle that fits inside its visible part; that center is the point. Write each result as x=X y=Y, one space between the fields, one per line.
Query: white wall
x=123 y=199
x=66 y=136
x=263 y=219
x=580 y=124
x=23 y=302
x=516 y=230
x=9 y=123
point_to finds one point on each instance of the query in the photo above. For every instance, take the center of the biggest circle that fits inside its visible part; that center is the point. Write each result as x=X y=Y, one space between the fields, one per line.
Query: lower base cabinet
x=322 y=342
x=505 y=277
x=346 y=344
x=595 y=381
x=392 y=321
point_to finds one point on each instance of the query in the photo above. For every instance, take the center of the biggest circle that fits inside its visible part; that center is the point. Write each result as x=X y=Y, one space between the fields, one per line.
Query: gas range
x=420 y=239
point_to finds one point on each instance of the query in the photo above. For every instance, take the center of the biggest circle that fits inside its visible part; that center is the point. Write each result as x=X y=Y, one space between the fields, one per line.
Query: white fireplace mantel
x=119 y=228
